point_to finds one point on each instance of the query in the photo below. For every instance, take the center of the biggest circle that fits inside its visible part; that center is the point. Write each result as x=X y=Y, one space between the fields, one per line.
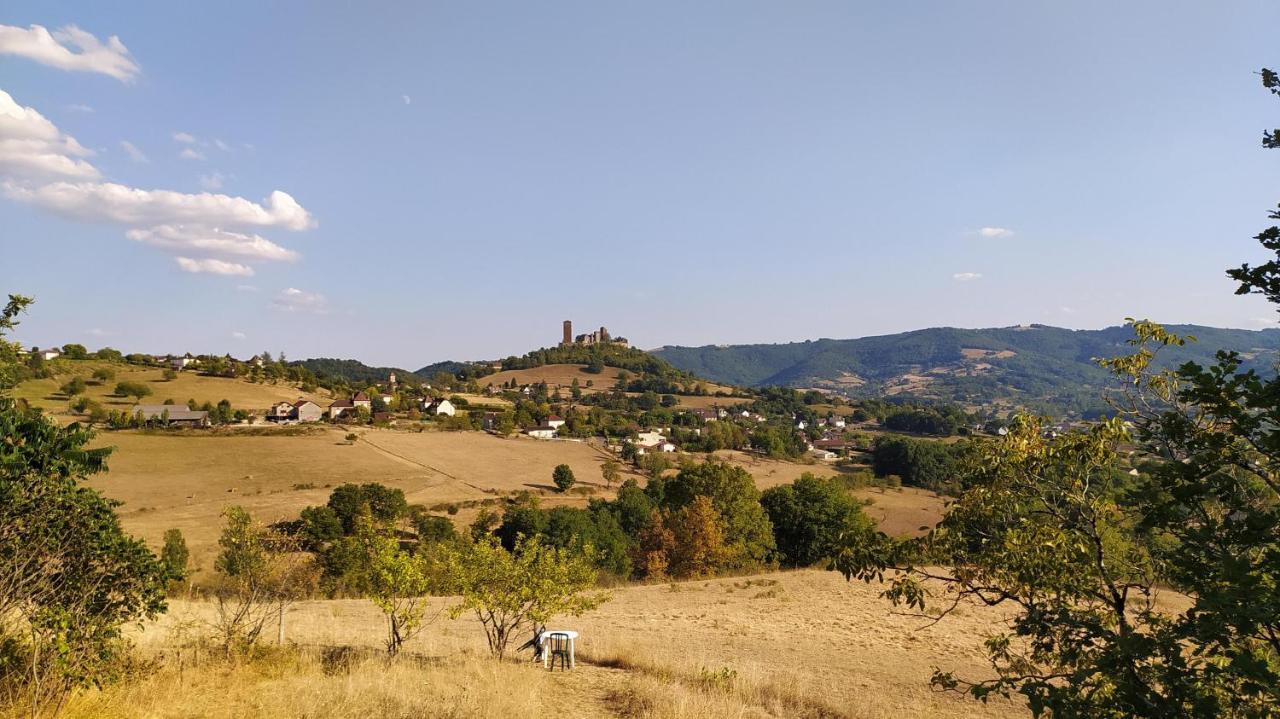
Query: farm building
x=174 y=414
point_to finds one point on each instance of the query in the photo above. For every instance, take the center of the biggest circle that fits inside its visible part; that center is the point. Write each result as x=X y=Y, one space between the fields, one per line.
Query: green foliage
x=748 y=534
x=261 y=573
x=70 y=578
x=73 y=387
x=169 y=375
x=919 y=462
x=610 y=472
x=396 y=581
x=174 y=556
x=386 y=505
x=510 y=591
x=1040 y=528
x=563 y=477
x=104 y=374
x=75 y=351
x=137 y=390
x=10 y=368
x=813 y=518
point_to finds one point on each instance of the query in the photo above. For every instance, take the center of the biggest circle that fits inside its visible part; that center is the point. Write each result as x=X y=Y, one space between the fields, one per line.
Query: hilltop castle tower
x=568 y=333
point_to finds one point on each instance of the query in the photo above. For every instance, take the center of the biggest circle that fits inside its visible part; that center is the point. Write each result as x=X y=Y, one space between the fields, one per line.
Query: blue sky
x=465 y=176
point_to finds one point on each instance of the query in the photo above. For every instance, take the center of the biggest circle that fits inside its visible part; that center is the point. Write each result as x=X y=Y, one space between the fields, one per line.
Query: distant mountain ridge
x=1037 y=366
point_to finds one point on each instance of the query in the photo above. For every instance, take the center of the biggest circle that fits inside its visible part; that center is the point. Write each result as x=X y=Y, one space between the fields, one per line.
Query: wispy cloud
x=80 y=107
x=995 y=233
x=212 y=181
x=211 y=241
x=190 y=153
x=185 y=138
x=296 y=300
x=69 y=48
x=966 y=276
x=133 y=152
x=238 y=335
x=213 y=267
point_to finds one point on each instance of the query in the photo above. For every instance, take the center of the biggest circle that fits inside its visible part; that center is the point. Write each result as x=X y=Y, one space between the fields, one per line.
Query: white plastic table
x=546 y=634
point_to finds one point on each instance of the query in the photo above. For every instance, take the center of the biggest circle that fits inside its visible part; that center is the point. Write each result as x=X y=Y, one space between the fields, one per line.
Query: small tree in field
x=509 y=591
x=73 y=387
x=261 y=576
x=137 y=390
x=174 y=556
x=610 y=472
x=563 y=477
x=104 y=374
x=169 y=375
x=397 y=582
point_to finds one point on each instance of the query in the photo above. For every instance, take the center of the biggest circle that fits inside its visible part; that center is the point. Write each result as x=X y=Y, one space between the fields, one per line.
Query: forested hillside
x=1038 y=366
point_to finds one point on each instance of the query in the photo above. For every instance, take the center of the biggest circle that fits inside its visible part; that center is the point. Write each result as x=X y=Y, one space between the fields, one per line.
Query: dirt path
x=587 y=691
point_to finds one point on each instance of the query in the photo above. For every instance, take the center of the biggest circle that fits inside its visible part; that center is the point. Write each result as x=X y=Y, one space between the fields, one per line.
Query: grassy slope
x=800 y=644
x=44 y=393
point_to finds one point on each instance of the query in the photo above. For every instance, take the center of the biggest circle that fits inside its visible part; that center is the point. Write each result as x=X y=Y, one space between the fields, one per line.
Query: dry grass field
x=184 y=480
x=555 y=375
x=43 y=393
x=795 y=644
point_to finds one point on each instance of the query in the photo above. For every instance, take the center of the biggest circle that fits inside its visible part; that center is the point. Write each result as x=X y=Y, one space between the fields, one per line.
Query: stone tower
x=568 y=333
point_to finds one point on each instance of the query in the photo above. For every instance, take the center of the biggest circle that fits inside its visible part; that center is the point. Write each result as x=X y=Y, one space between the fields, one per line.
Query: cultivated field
x=797 y=644
x=43 y=393
x=555 y=375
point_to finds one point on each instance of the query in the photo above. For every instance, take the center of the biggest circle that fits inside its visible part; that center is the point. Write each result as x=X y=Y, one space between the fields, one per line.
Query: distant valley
x=1034 y=366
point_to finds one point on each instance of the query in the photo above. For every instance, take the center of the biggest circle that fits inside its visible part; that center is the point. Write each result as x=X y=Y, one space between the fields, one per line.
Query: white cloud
x=407 y=100
x=246 y=288
x=111 y=202
x=212 y=181
x=58 y=49
x=42 y=166
x=99 y=332
x=213 y=242
x=995 y=233
x=185 y=138
x=296 y=300
x=33 y=147
x=237 y=335
x=133 y=152
x=190 y=153
x=966 y=276
x=214 y=267
x=80 y=107
x=221 y=145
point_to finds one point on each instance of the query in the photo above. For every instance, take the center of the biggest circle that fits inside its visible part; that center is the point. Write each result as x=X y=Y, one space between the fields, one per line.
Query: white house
x=801 y=424
x=542 y=432
x=50 y=354
x=555 y=422
x=837 y=422
x=181 y=363
x=440 y=406
x=664 y=446
x=649 y=439
x=824 y=455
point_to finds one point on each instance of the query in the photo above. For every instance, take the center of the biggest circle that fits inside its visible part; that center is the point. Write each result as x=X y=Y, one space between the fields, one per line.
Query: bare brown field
x=43 y=393
x=794 y=644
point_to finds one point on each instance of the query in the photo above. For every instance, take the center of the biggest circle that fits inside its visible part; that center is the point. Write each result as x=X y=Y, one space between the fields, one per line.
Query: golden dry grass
x=185 y=480
x=43 y=393
x=555 y=375
x=794 y=644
